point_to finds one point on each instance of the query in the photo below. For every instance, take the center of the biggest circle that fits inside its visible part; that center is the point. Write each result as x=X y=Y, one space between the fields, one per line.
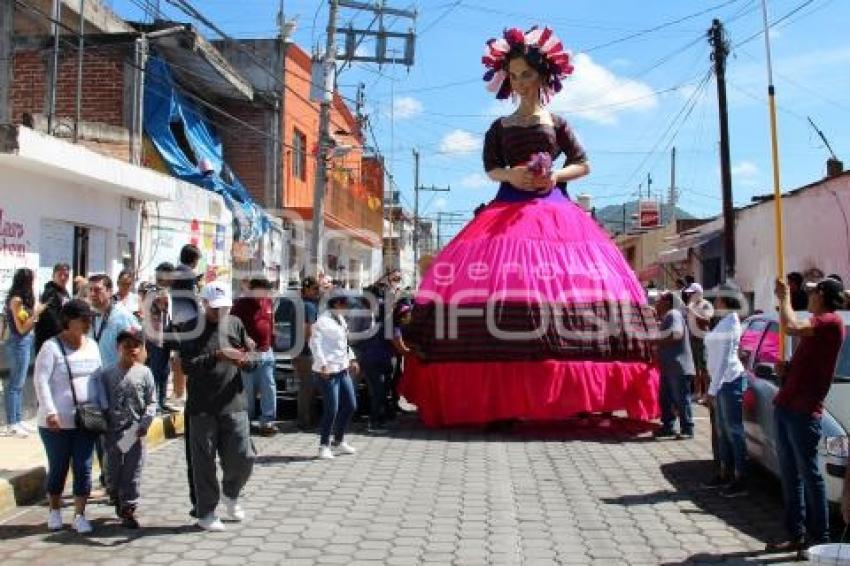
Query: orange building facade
x=354 y=195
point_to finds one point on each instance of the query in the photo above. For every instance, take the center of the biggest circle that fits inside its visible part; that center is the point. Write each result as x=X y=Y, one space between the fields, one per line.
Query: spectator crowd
x=107 y=355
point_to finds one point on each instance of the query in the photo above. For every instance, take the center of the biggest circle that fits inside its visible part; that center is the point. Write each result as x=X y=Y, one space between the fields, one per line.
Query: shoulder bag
x=89 y=417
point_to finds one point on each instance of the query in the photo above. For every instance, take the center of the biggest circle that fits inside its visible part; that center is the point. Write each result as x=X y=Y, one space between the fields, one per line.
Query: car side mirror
x=765 y=371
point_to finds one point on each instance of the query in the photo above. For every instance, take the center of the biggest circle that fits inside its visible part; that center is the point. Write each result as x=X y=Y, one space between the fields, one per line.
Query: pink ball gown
x=531 y=312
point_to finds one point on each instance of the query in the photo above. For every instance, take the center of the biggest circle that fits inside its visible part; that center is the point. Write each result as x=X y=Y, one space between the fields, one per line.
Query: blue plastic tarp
x=164 y=104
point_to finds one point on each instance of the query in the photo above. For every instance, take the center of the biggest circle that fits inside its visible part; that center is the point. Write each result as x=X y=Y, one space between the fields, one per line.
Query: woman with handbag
x=68 y=410
x=20 y=316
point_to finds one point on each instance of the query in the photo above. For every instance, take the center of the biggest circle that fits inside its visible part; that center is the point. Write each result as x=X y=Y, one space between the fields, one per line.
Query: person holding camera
x=806 y=380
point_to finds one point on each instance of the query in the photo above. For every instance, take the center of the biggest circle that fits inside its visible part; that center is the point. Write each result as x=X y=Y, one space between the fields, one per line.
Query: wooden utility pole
x=7 y=27
x=717 y=39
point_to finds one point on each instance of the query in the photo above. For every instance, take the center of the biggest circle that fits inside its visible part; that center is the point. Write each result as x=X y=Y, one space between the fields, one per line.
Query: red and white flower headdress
x=538 y=44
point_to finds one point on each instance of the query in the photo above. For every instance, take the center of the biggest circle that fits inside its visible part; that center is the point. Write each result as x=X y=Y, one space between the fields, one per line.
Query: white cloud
x=476 y=181
x=746 y=173
x=459 y=142
x=597 y=94
x=406 y=107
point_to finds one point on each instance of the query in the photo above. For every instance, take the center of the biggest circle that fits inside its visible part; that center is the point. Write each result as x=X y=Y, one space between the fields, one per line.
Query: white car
x=759 y=352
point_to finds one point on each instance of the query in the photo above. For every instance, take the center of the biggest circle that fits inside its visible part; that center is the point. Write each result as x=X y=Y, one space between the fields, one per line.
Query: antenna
x=823 y=137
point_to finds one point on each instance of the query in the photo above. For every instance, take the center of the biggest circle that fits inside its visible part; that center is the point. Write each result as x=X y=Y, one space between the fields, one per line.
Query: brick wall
x=103 y=84
x=245 y=149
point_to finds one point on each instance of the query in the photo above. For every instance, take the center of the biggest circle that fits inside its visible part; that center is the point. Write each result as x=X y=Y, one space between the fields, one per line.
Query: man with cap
x=806 y=380
x=129 y=397
x=215 y=406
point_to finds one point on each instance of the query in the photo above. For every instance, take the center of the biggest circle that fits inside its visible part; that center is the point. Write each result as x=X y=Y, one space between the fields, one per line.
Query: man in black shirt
x=215 y=407
x=55 y=295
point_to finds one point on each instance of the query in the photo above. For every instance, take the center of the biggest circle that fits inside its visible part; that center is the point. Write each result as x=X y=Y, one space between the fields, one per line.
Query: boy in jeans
x=130 y=400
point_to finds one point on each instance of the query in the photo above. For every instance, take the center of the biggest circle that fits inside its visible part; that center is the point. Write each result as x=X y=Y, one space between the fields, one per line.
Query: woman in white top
x=333 y=364
x=64 y=443
x=726 y=392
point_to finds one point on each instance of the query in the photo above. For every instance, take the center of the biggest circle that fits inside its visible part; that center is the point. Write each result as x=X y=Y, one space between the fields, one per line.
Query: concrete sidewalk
x=23 y=464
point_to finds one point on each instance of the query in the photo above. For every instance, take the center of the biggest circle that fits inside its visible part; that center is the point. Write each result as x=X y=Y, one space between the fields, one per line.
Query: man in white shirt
x=333 y=364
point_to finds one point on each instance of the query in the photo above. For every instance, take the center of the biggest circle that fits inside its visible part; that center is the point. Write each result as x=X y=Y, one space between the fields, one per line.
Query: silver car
x=760 y=352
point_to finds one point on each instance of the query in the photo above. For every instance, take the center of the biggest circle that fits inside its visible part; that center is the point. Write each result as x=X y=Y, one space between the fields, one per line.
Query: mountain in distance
x=611 y=216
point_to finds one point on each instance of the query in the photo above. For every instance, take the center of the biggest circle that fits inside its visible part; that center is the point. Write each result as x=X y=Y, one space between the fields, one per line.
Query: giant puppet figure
x=531 y=312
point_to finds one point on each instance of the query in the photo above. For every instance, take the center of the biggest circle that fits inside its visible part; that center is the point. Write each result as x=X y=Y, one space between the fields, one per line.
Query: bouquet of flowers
x=540 y=164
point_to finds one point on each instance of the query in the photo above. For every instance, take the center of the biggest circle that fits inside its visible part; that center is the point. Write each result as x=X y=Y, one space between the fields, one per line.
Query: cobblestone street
x=564 y=494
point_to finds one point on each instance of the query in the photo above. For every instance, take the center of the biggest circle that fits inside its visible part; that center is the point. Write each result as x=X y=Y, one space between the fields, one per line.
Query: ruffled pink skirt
x=531 y=312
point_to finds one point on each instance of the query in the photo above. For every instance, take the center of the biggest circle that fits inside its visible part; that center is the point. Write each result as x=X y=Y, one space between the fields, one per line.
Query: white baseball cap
x=217 y=294
x=694 y=288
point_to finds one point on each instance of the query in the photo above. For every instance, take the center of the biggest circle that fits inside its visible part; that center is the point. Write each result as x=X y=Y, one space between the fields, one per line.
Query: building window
x=299 y=155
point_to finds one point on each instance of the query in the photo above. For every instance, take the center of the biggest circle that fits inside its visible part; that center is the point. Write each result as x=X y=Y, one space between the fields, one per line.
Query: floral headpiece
x=537 y=43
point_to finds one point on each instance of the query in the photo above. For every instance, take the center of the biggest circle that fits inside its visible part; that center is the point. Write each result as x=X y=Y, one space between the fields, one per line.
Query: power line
x=774 y=23
x=659 y=27
x=449 y=9
x=682 y=114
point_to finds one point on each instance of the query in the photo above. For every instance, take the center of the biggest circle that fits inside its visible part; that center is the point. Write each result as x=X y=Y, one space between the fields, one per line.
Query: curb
x=25 y=487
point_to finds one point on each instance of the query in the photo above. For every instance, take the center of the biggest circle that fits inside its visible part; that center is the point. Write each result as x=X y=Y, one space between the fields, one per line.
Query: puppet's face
x=525 y=81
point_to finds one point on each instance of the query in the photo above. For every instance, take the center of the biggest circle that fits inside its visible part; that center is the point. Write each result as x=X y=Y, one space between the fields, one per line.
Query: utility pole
x=718 y=41
x=416 y=190
x=649 y=186
x=353 y=38
x=328 y=63
x=673 y=194
x=7 y=27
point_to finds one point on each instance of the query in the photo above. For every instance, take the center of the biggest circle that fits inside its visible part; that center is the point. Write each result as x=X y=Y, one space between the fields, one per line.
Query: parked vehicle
x=759 y=353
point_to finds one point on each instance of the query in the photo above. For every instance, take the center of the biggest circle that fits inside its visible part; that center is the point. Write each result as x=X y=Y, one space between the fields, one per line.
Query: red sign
x=649 y=214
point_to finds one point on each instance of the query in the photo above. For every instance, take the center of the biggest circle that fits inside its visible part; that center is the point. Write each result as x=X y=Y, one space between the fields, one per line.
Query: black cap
x=134 y=334
x=831 y=289
x=77 y=308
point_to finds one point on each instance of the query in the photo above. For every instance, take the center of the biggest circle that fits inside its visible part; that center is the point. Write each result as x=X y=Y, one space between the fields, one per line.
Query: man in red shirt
x=799 y=405
x=255 y=311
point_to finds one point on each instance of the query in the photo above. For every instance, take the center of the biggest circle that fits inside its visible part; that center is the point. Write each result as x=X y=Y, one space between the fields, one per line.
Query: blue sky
x=629 y=87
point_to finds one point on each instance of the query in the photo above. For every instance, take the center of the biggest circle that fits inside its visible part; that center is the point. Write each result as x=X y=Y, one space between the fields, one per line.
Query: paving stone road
x=535 y=495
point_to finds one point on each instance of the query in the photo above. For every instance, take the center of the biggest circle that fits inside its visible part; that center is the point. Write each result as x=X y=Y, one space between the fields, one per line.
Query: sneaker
x=54 y=520
x=737 y=488
x=325 y=453
x=716 y=482
x=234 y=510
x=661 y=434
x=211 y=523
x=18 y=431
x=82 y=525
x=345 y=448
